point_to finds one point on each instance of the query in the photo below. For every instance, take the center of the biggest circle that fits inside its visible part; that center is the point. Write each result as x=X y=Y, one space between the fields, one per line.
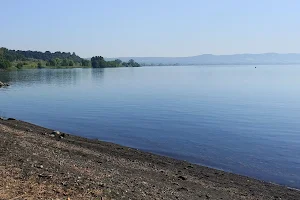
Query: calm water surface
x=235 y=118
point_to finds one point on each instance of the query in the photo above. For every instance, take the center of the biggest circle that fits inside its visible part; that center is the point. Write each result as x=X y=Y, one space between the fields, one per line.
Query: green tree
x=57 y=62
x=4 y=64
x=65 y=62
x=85 y=62
x=19 y=65
x=71 y=63
x=98 y=62
x=131 y=63
x=39 y=65
x=53 y=62
x=118 y=62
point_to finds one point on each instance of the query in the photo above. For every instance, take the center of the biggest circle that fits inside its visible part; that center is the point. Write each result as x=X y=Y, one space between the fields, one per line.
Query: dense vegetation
x=99 y=62
x=4 y=63
x=12 y=59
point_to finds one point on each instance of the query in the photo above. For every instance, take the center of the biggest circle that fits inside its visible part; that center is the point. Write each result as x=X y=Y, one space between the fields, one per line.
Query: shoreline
x=37 y=164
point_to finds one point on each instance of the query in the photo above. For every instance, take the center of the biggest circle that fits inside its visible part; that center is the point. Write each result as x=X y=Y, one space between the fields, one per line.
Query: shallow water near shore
x=240 y=119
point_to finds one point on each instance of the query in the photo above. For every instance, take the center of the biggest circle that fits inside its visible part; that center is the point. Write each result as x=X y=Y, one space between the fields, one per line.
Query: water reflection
x=57 y=77
x=96 y=74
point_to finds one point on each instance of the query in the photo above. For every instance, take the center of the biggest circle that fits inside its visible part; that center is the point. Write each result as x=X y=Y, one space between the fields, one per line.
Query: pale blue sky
x=114 y=28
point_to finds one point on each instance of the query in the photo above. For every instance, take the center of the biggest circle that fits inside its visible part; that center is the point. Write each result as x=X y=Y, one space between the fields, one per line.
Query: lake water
x=240 y=119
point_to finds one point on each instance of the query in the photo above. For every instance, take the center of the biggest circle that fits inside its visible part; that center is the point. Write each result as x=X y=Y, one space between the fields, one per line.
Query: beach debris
x=57 y=134
x=11 y=119
x=64 y=183
x=182 y=189
x=188 y=167
x=182 y=178
x=3 y=84
x=40 y=166
x=45 y=175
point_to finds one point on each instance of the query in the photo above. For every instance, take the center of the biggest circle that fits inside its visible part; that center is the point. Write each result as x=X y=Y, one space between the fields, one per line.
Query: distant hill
x=209 y=59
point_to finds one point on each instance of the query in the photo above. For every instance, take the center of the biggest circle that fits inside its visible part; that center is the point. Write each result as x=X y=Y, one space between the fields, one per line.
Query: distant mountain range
x=209 y=59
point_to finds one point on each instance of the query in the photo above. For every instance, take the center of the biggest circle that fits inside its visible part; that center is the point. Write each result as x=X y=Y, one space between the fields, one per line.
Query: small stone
x=101 y=184
x=3 y=84
x=64 y=183
x=11 y=119
x=44 y=176
x=144 y=183
x=182 y=189
x=55 y=133
x=1 y=118
x=182 y=178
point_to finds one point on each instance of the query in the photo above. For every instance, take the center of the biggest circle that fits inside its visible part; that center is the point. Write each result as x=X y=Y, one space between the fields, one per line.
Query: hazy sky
x=114 y=28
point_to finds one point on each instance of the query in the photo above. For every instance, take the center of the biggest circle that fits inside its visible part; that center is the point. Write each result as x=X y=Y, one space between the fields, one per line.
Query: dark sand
x=35 y=165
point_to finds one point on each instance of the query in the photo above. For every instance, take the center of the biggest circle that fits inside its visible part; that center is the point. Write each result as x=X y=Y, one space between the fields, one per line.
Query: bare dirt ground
x=36 y=165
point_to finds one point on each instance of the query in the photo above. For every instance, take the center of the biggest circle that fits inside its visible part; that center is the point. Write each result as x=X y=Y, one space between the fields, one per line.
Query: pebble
x=3 y=84
x=58 y=134
x=44 y=176
x=55 y=133
x=182 y=177
x=182 y=189
x=64 y=183
x=11 y=119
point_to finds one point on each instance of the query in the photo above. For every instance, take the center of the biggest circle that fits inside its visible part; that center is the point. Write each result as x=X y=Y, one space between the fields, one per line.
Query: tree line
x=99 y=62
x=12 y=55
x=57 y=59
